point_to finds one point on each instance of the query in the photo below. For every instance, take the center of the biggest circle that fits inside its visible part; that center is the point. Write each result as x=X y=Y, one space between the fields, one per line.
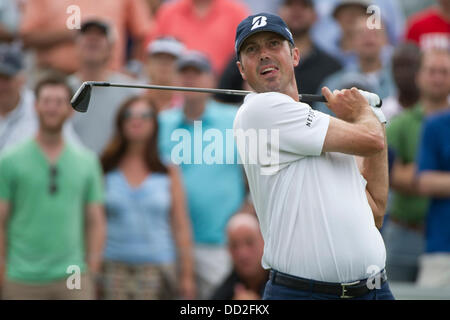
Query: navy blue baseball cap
x=258 y=23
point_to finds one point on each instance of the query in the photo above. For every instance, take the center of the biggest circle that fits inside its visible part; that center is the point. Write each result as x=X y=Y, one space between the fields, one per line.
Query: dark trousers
x=279 y=292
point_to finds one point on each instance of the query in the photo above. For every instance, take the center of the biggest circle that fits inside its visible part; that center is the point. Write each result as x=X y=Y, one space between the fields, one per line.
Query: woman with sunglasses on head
x=148 y=230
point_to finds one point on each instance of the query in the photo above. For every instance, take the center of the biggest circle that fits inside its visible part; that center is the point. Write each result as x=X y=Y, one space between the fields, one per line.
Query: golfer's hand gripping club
x=375 y=103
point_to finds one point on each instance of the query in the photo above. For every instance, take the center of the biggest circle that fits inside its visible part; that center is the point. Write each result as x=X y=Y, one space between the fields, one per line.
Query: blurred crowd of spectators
x=100 y=192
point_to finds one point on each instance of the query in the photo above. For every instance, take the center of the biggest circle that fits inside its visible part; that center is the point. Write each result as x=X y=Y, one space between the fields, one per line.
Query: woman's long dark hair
x=117 y=146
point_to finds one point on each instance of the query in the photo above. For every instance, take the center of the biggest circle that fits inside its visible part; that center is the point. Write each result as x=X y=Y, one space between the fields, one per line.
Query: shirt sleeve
x=300 y=129
x=428 y=152
x=94 y=192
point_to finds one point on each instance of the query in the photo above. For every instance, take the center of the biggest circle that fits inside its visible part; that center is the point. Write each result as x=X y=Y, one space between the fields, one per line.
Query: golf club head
x=81 y=98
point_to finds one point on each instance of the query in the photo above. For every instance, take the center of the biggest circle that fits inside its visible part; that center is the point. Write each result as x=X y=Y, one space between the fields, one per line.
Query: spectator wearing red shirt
x=208 y=26
x=431 y=28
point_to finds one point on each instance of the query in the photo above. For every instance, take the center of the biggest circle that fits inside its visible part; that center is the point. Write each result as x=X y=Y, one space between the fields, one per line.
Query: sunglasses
x=141 y=115
x=53 y=187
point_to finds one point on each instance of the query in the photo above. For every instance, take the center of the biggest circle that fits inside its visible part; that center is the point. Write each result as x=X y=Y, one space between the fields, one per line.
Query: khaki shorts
x=121 y=281
x=55 y=290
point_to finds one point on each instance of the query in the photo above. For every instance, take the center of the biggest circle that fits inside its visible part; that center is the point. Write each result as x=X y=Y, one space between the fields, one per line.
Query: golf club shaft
x=303 y=97
x=80 y=101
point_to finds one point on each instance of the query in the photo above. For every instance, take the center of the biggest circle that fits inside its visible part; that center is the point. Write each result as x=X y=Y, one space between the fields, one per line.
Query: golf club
x=80 y=100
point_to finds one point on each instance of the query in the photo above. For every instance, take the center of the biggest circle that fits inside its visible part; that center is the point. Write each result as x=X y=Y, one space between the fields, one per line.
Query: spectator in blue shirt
x=199 y=138
x=434 y=181
x=148 y=230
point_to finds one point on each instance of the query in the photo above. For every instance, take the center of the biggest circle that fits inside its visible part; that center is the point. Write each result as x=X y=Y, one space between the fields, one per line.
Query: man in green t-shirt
x=52 y=223
x=403 y=234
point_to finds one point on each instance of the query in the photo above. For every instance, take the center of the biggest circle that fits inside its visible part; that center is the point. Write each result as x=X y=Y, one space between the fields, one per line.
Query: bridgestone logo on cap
x=258 y=22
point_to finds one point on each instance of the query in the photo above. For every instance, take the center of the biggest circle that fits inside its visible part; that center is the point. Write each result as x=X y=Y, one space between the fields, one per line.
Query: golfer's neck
x=292 y=90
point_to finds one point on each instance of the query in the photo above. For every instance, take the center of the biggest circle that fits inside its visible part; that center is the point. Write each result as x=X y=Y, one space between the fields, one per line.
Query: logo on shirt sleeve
x=310 y=118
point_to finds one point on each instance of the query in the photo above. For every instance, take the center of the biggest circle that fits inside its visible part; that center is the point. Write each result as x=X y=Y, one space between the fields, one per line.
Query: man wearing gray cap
x=214 y=190
x=18 y=120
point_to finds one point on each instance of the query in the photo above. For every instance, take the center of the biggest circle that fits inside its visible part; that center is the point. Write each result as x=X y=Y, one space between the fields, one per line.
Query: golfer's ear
x=295 y=56
x=241 y=69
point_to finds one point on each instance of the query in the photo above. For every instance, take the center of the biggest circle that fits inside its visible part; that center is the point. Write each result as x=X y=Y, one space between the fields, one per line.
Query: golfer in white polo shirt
x=320 y=204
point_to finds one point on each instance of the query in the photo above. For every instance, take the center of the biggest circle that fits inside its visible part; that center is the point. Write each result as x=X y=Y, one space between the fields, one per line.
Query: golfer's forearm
x=435 y=184
x=368 y=121
x=375 y=171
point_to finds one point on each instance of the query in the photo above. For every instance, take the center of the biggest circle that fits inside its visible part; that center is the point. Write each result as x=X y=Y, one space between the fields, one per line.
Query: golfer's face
x=267 y=62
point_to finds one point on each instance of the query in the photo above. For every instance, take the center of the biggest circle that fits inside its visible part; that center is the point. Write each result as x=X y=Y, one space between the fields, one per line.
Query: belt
x=342 y=290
